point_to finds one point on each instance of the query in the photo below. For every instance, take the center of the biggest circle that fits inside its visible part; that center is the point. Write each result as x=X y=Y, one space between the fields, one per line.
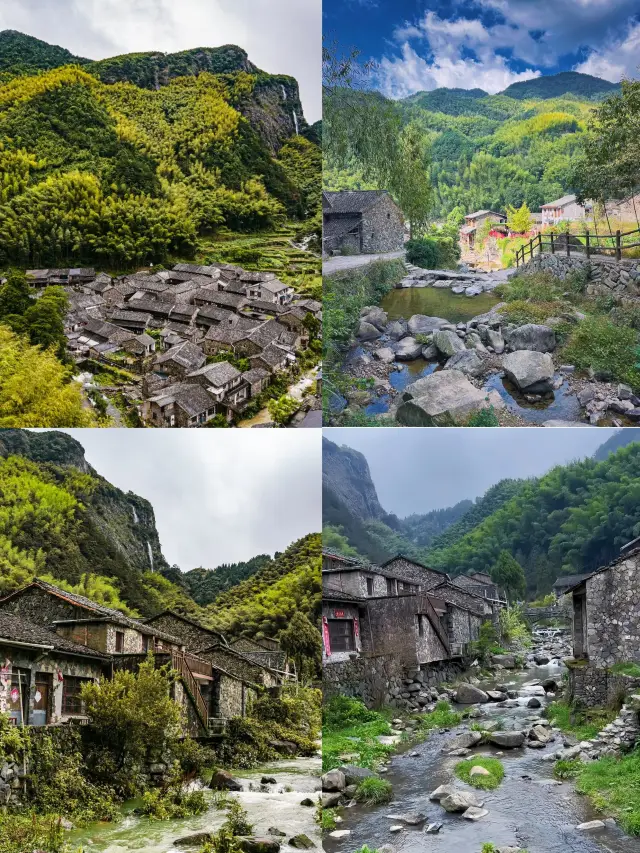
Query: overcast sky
x=280 y=36
x=220 y=496
x=423 y=44
x=417 y=470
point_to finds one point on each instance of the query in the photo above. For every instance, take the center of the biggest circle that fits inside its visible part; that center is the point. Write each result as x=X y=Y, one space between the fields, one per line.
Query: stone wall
x=593 y=686
x=382 y=227
x=239 y=666
x=394 y=631
x=613 y=613
x=414 y=572
x=605 y=275
x=348 y=612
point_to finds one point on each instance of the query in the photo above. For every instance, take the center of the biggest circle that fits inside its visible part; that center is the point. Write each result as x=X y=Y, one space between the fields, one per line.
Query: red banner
x=325 y=636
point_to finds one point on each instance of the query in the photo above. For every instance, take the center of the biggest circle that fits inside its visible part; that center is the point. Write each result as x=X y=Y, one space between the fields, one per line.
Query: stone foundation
x=381 y=680
x=605 y=275
x=591 y=686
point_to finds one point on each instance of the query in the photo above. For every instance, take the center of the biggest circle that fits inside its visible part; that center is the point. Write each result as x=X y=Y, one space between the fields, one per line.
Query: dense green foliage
x=203 y=585
x=99 y=165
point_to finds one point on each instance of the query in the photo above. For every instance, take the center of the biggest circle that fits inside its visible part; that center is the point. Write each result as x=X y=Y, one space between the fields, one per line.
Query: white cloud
x=617 y=59
x=280 y=36
x=447 y=62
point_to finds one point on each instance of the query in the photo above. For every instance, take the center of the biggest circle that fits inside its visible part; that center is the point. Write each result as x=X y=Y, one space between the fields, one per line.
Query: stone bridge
x=537 y=614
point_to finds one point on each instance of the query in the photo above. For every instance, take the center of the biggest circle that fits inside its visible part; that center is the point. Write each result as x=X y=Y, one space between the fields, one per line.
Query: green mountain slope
x=490 y=151
x=130 y=160
x=622 y=438
x=565 y=83
x=264 y=604
x=204 y=585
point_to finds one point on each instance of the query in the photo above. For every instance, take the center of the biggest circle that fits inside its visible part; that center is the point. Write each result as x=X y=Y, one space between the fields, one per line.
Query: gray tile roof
x=353 y=201
x=19 y=630
x=217 y=374
x=186 y=355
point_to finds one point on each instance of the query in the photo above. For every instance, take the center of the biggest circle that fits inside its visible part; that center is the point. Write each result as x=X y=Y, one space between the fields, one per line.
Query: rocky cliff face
x=346 y=475
x=274 y=110
x=119 y=528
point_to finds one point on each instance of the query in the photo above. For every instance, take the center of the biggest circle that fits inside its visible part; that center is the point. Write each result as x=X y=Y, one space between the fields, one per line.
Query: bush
x=486 y=783
x=484 y=418
x=373 y=791
x=174 y=803
x=431 y=252
x=343 y=711
x=608 y=349
x=27 y=832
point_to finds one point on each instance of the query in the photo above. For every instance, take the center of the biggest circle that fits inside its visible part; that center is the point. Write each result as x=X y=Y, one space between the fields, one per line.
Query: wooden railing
x=179 y=663
x=433 y=617
x=196 y=664
x=611 y=244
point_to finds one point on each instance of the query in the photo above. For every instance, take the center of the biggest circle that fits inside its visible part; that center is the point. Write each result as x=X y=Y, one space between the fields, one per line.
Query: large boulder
x=530 y=371
x=447 y=343
x=367 y=331
x=464 y=740
x=377 y=317
x=420 y=324
x=385 y=354
x=254 y=844
x=353 y=775
x=507 y=661
x=532 y=337
x=460 y=801
x=443 y=398
x=466 y=361
x=408 y=349
x=397 y=329
x=507 y=740
x=441 y=792
x=334 y=780
x=222 y=780
x=468 y=694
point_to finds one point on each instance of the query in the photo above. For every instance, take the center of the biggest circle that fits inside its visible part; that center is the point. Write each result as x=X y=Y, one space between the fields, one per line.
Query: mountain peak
x=556 y=85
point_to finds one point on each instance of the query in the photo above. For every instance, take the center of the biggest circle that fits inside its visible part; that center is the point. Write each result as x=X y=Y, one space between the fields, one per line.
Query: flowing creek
x=528 y=810
x=271 y=805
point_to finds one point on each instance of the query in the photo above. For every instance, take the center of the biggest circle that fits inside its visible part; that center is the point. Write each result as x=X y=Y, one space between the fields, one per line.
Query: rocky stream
x=271 y=795
x=432 y=810
x=438 y=350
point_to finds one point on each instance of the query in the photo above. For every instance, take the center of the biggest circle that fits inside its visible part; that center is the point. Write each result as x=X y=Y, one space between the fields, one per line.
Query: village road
x=347 y=262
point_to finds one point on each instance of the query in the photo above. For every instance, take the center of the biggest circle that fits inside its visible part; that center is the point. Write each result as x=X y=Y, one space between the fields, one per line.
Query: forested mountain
x=573 y=519
x=490 y=151
x=61 y=520
x=204 y=585
x=128 y=160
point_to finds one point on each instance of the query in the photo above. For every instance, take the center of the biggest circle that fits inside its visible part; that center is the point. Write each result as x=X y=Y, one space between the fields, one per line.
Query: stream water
x=271 y=805
x=561 y=404
x=528 y=810
x=436 y=302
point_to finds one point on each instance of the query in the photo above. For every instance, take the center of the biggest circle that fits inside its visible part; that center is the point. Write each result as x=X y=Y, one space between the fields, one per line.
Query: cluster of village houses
x=166 y=326
x=52 y=642
x=369 y=221
x=384 y=623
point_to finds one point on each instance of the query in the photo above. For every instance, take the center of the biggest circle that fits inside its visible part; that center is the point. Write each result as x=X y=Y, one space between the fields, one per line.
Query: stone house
x=605 y=627
x=42 y=673
x=135 y=321
x=258 y=380
x=193 y=635
x=220 y=656
x=361 y=222
x=181 y=405
x=272 y=358
x=564 y=209
x=222 y=381
x=180 y=360
x=480 y=583
x=267 y=653
x=270 y=290
x=473 y=221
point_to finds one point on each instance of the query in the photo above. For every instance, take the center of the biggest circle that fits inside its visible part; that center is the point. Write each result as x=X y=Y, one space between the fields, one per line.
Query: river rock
x=420 y=324
x=477 y=770
x=507 y=661
x=541 y=658
x=540 y=734
x=442 y=791
x=532 y=337
x=468 y=694
x=197 y=839
x=268 y=780
x=408 y=349
x=464 y=740
x=429 y=352
x=473 y=813
x=534 y=703
x=340 y=833
x=307 y=802
x=273 y=830
x=441 y=399
x=301 y=842
x=377 y=317
x=531 y=371
x=222 y=780
x=410 y=818
x=467 y=362
x=460 y=801
x=397 y=329
x=507 y=740
x=590 y=826
x=496 y=695
x=367 y=331
x=447 y=343
x=334 y=780
x=495 y=340
x=354 y=775
x=253 y=844
x=330 y=801
x=385 y=354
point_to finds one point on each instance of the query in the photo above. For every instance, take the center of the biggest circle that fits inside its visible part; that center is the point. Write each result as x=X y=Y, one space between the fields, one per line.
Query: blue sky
x=423 y=44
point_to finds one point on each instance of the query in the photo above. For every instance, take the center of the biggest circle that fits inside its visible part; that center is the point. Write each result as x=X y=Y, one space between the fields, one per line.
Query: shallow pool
x=436 y=302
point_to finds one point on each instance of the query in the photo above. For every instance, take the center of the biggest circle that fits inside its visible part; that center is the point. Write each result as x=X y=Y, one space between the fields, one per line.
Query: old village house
x=361 y=222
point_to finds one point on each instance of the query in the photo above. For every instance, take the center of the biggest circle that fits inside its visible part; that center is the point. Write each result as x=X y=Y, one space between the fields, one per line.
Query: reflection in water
x=561 y=404
x=436 y=302
x=399 y=379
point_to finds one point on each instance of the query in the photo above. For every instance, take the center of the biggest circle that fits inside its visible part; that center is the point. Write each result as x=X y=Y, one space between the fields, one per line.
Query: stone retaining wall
x=381 y=680
x=591 y=686
x=605 y=275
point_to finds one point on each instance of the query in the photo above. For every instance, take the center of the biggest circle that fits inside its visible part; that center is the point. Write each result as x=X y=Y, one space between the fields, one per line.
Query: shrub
x=484 y=418
x=373 y=791
x=431 y=252
x=343 y=711
x=487 y=783
x=599 y=344
x=27 y=832
x=174 y=803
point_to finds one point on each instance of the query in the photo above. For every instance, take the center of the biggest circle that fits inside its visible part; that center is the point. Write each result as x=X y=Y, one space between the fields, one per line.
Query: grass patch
x=486 y=783
x=584 y=724
x=442 y=717
x=522 y=311
x=613 y=786
x=373 y=791
x=629 y=668
x=350 y=729
x=328 y=820
x=599 y=344
x=567 y=768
